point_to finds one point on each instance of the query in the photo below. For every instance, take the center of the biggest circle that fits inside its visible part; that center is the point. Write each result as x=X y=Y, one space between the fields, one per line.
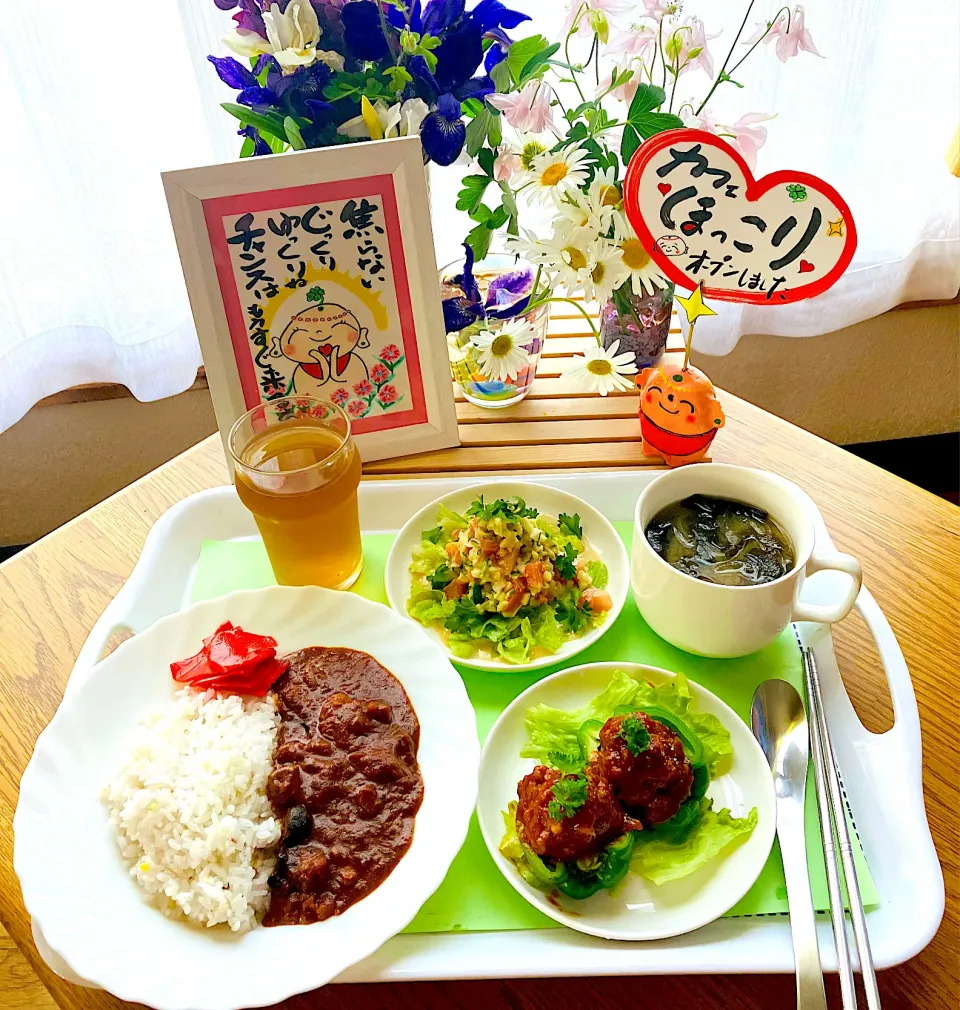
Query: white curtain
x=99 y=99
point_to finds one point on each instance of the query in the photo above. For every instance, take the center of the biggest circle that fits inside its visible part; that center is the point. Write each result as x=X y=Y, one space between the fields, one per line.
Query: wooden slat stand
x=556 y=426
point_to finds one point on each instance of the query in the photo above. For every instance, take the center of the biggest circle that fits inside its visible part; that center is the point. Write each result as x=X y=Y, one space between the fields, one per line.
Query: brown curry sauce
x=345 y=782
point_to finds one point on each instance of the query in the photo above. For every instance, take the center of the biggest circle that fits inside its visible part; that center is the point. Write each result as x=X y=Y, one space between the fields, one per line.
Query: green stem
x=723 y=69
x=663 y=58
x=583 y=312
x=386 y=34
x=566 y=49
x=770 y=25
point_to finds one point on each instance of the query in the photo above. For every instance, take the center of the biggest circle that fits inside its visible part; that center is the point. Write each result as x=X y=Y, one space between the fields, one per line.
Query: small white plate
x=78 y=890
x=600 y=535
x=641 y=910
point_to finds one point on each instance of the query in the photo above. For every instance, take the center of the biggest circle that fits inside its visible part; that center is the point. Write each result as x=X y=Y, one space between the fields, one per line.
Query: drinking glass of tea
x=297 y=469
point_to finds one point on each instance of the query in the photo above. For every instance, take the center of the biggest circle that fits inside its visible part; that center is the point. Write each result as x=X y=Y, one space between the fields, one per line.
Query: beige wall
x=891 y=377
x=895 y=376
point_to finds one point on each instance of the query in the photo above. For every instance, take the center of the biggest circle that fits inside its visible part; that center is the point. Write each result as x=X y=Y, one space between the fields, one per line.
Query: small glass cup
x=297 y=470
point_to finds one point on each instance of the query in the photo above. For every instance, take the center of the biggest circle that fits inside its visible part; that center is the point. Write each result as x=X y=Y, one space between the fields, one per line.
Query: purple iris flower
x=260 y=146
x=364 y=30
x=509 y=294
x=258 y=97
x=490 y=14
x=461 y=311
x=443 y=132
x=248 y=17
x=232 y=72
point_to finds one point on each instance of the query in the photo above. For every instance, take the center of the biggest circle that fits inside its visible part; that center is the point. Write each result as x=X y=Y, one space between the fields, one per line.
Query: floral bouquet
x=559 y=128
x=325 y=72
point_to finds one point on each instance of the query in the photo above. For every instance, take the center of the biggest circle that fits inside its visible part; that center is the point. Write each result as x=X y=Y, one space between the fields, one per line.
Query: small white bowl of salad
x=509 y=575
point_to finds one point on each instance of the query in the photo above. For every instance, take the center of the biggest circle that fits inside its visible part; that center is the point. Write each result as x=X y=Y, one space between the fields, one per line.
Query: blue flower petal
x=364 y=32
x=458 y=56
x=233 y=73
x=426 y=83
x=266 y=60
x=320 y=112
x=442 y=138
x=491 y=13
x=260 y=146
x=476 y=87
x=458 y=313
x=257 y=96
x=509 y=293
x=495 y=54
x=466 y=281
x=441 y=14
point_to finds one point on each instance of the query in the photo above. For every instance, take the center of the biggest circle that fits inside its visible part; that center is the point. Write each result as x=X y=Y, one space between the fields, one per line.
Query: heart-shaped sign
x=704 y=218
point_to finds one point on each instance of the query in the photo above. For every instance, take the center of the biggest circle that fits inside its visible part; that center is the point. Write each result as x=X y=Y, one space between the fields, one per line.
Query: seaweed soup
x=721 y=541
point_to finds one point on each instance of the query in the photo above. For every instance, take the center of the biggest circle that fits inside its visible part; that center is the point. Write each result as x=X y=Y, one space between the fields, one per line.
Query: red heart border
x=755 y=188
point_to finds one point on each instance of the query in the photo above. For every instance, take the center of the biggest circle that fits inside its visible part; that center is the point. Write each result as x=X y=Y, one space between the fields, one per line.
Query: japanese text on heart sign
x=705 y=220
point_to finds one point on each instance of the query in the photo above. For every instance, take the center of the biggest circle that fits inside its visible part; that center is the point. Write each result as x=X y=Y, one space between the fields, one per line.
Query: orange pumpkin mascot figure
x=679 y=414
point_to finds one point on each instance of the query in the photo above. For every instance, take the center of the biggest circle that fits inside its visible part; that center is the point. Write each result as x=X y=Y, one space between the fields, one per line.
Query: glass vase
x=470 y=360
x=640 y=322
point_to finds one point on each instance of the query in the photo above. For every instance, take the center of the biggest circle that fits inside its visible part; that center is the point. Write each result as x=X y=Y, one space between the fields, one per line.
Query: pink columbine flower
x=527 y=110
x=363 y=388
x=390 y=354
x=506 y=165
x=356 y=408
x=747 y=137
x=693 y=35
x=638 y=41
x=612 y=7
x=379 y=373
x=789 y=42
x=340 y=396
x=388 y=395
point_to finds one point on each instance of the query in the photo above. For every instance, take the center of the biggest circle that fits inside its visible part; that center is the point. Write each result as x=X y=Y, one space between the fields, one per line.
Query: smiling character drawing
x=322 y=339
x=679 y=414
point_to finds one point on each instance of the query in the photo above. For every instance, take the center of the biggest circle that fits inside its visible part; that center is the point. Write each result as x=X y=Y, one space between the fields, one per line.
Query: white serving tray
x=874 y=767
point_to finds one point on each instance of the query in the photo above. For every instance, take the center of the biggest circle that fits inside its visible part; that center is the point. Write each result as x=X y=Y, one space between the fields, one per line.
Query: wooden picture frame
x=314 y=273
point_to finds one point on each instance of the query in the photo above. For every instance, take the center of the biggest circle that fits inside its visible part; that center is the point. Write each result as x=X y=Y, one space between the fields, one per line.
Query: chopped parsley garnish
x=566 y=761
x=443 y=576
x=634 y=734
x=432 y=536
x=569 y=795
x=571 y=524
x=570 y=616
x=564 y=563
x=503 y=508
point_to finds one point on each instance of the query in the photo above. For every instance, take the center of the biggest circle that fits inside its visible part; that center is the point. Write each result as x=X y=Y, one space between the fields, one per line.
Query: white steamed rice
x=190 y=810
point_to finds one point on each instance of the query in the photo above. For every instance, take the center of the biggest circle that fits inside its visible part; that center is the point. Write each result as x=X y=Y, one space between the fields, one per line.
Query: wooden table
x=907 y=540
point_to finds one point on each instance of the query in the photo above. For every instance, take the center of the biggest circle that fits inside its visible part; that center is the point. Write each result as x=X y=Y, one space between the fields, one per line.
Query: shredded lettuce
x=597 y=571
x=426 y=559
x=551 y=729
x=449 y=521
x=661 y=861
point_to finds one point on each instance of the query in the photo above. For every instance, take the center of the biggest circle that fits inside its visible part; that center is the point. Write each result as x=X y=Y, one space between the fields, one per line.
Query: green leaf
x=485 y=160
x=523 y=51
x=498 y=218
x=267 y=123
x=482 y=215
x=571 y=524
x=629 y=143
x=509 y=200
x=276 y=145
x=647 y=98
x=500 y=75
x=399 y=78
x=471 y=107
x=247 y=147
x=569 y=795
x=650 y=123
x=470 y=197
x=484 y=128
x=479 y=240
x=293 y=134
x=537 y=62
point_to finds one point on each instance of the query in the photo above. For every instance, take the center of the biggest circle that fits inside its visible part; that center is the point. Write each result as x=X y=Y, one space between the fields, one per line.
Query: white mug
x=728 y=621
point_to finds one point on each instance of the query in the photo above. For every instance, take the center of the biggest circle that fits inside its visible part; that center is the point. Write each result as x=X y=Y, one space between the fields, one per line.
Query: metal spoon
x=780 y=725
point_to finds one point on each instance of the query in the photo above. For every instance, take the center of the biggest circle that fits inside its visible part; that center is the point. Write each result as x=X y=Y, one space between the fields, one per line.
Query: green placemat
x=474 y=895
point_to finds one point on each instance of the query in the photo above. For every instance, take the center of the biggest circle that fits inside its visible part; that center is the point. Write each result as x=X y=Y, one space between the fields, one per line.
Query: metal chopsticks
x=831 y=809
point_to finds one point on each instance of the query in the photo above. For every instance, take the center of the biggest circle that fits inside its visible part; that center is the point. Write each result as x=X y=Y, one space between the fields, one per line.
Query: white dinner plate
x=641 y=910
x=77 y=888
x=600 y=536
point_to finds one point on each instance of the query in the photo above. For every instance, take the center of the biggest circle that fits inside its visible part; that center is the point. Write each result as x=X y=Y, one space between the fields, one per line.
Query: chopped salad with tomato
x=508 y=579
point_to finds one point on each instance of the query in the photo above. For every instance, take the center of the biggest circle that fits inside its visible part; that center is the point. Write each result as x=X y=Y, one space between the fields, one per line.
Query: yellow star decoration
x=694 y=305
x=835 y=227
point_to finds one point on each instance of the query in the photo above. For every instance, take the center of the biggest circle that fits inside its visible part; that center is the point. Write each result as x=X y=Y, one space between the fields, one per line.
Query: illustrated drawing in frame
x=308 y=274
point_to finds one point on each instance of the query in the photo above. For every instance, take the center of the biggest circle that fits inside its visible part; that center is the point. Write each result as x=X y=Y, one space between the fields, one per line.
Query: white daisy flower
x=645 y=275
x=556 y=173
x=601 y=369
x=563 y=256
x=606 y=272
x=501 y=353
